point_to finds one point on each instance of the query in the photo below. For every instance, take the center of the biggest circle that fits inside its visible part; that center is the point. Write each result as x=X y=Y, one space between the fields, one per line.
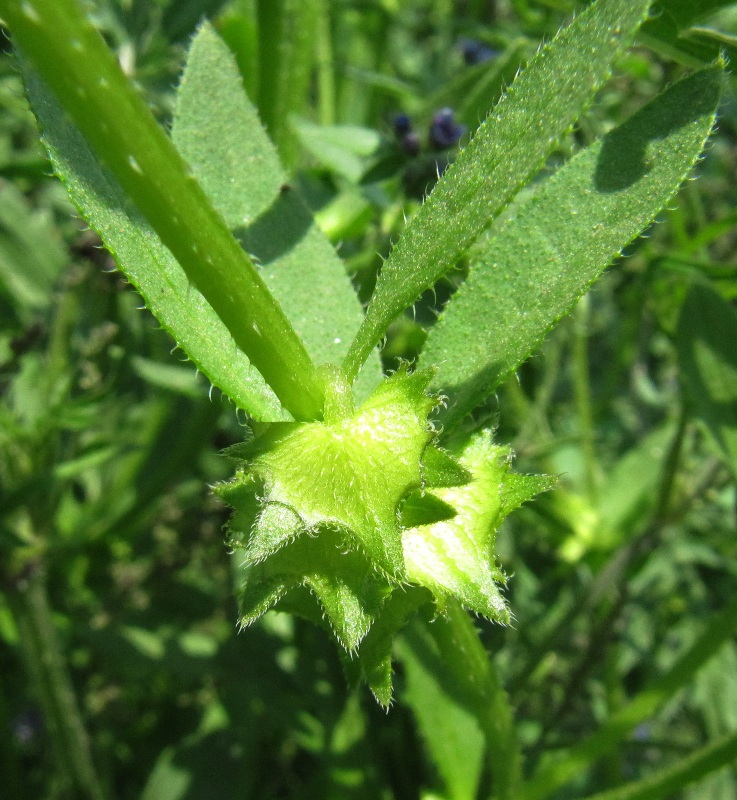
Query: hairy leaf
x=540 y=106
x=115 y=121
x=148 y=264
x=532 y=269
x=239 y=169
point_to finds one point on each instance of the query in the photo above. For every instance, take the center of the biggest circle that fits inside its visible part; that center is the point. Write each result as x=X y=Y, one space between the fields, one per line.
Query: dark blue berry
x=445 y=132
x=402 y=124
x=475 y=52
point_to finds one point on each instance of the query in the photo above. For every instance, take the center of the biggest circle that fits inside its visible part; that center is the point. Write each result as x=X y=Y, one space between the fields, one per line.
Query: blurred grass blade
x=539 y=108
x=298 y=264
x=31 y=254
x=286 y=33
x=531 y=271
x=706 y=339
x=556 y=773
x=673 y=779
x=123 y=134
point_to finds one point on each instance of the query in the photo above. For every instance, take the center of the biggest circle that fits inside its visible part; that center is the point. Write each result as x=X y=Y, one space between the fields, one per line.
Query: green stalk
x=557 y=774
x=10 y=767
x=474 y=673
x=325 y=67
x=582 y=391
x=53 y=685
x=74 y=61
x=287 y=30
x=673 y=779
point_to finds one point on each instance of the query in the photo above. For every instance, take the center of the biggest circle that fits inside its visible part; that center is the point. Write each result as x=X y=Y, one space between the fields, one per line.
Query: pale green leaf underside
x=217 y=131
x=542 y=104
x=146 y=262
x=532 y=269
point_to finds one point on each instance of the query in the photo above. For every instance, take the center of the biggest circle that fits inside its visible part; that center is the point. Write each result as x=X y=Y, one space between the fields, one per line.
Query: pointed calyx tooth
x=356 y=521
x=321 y=505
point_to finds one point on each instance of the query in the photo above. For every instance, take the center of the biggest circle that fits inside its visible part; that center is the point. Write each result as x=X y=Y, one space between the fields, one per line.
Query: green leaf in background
x=147 y=263
x=539 y=108
x=693 y=767
x=344 y=149
x=450 y=731
x=239 y=169
x=531 y=270
x=31 y=253
x=678 y=28
x=559 y=768
x=707 y=352
x=622 y=503
x=286 y=36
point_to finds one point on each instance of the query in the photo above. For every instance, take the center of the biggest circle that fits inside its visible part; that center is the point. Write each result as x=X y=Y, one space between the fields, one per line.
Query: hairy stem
x=124 y=135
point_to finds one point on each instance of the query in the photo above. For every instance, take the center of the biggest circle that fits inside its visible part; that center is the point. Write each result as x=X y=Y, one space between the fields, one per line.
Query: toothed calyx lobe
x=339 y=518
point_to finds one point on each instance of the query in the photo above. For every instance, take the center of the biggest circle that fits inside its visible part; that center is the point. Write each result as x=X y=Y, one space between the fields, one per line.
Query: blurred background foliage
x=115 y=586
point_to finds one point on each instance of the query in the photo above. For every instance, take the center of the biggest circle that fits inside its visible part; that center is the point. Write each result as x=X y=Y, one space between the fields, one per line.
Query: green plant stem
x=50 y=676
x=124 y=135
x=325 y=73
x=693 y=767
x=9 y=761
x=582 y=393
x=553 y=776
x=286 y=31
x=473 y=673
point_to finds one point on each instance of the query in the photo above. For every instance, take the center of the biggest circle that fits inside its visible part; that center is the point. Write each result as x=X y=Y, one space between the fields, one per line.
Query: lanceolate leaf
x=148 y=264
x=82 y=73
x=537 y=264
x=218 y=132
x=542 y=104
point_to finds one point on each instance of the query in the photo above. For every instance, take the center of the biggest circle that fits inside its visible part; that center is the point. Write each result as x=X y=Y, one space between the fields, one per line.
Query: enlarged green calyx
x=356 y=520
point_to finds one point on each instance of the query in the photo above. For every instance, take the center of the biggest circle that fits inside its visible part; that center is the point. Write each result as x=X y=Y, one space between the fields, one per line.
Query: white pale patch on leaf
x=455 y=557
